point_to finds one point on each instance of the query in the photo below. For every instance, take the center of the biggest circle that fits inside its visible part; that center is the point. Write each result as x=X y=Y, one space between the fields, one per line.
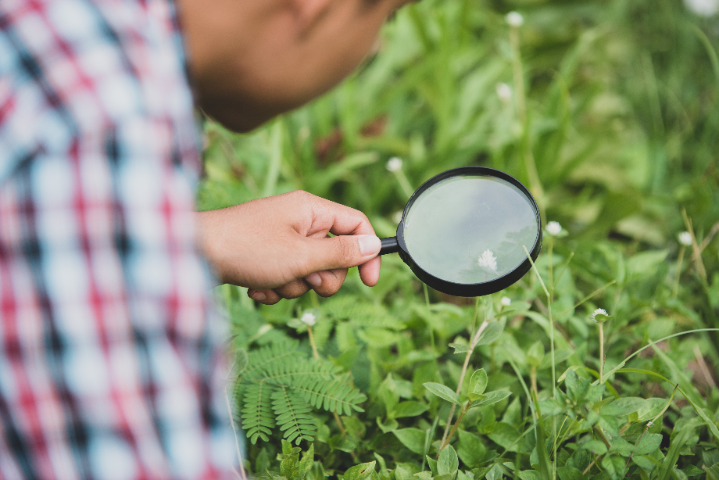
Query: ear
x=309 y=12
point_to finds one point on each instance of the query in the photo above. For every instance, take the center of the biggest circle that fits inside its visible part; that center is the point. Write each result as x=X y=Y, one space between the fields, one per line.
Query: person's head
x=253 y=59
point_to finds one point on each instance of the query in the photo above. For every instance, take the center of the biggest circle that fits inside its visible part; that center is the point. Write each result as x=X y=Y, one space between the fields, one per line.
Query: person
x=110 y=362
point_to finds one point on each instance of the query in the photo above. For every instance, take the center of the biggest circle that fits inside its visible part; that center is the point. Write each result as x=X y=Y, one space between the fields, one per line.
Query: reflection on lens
x=470 y=229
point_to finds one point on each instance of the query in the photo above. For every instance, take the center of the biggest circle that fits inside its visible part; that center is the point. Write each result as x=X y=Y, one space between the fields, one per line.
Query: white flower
x=308 y=318
x=397 y=216
x=703 y=8
x=553 y=228
x=599 y=311
x=685 y=239
x=506 y=301
x=488 y=261
x=515 y=19
x=394 y=164
x=504 y=92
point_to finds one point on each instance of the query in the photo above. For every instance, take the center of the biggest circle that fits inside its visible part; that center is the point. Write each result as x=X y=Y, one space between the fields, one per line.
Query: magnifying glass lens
x=470 y=229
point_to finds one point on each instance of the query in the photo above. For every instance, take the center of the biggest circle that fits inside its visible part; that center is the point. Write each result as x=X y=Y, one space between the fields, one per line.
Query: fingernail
x=259 y=296
x=314 y=279
x=369 y=244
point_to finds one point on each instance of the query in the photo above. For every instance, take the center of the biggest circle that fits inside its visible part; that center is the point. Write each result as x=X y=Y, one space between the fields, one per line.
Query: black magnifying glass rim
x=469 y=289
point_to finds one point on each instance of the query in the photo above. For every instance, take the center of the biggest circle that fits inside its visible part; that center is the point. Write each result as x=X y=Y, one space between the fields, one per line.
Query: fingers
x=340 y=252
x=369 y=272
x=325 y=283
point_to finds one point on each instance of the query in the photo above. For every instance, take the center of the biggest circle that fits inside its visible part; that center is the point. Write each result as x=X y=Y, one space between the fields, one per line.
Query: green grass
x=617 y=134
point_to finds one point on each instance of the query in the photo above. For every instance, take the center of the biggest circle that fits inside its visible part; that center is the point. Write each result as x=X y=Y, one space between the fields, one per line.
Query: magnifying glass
x=464 y=231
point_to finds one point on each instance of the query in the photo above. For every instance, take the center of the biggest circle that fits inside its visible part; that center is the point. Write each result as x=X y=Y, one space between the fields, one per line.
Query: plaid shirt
x=108 y=364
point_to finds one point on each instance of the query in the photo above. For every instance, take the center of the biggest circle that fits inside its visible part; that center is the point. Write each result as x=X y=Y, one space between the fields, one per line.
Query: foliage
x=609 y=114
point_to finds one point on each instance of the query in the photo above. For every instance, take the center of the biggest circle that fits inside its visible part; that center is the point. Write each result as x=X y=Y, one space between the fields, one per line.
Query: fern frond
x=286 y=373
x=293 y=416
x=333 y=395
x=267 y=357
x=257 y=418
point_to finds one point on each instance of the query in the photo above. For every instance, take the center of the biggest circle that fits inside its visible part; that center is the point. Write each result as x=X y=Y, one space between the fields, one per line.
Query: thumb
x=343 y=251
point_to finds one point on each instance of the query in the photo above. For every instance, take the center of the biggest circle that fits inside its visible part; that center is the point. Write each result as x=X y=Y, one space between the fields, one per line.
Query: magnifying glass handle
x=389 y=245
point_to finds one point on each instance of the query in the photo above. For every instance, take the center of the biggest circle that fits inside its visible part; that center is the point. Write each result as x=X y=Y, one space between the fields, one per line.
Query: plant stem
x=312 y=342
x=454 y=429
x=601 y=354
x=533 y=379
x=472 y=344
x=680 y=259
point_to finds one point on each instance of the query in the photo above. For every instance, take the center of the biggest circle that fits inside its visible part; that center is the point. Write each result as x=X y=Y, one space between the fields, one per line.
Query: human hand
x=278 y=246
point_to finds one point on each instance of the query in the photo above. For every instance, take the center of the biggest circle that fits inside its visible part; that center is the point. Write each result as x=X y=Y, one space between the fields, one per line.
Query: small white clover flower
x=394 y=164
x=308 y=318
x=600 y=312
x=703 y=8
x=506 y=301
x=504 y=92
x=685 y=239
x=553 y=228
x=515 y=19
x=397 y=216
x=488 y=261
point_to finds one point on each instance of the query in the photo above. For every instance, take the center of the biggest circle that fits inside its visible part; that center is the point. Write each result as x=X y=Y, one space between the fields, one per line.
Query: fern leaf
x=292 y=414
x=288 y=372
x=333 y=395
x=257 y=417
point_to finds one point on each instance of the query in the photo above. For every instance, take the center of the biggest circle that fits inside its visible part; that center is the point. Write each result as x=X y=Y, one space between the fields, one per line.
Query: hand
x=279 y=248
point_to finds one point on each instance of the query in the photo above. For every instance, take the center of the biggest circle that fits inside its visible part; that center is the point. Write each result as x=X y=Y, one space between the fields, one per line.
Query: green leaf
x=506 y=436
x=448 y=462
x=613 y=466
x=409 y=409
x=491 y=333
x=308 y=460
x=432 y=465
x=596 y=446
x=535 y=354
x=530 y=475
x=569 y=473
x=402 y=474
x=478 y=382
x=470 y=448
x=649 y=443
x=672 y=455
x=442 y=392
x=491 y=398
x=412 y=438
x=389 y=426
x=360 y=472
x=459 y=347
x=623 y=406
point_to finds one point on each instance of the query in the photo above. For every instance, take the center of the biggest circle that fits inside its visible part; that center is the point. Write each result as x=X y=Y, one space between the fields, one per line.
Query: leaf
x=490 y=334
x=442 y=392
x=530 y=475
x=412 y=438
x=650 y=443
x=360 y=472
x=491 y=398
x=459 y=347
x=409 y=409
x=569 y=473
x=621 y=446
x=675 y=448
x=535 y=355
x=389 y=426
x=448 y=462
x=506 y=436
x=470 y=448
x=545 y=465
x=595 y=446
x=308 y=460
x=623 y=406
x=478 y=382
